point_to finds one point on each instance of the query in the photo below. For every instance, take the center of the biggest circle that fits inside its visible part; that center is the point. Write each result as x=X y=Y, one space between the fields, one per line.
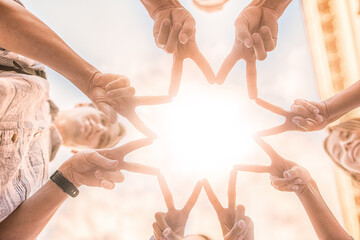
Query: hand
x=112 y=94
x=234 y=224
x=255 y=33
x=295 y=179
x=278 y=164
x=174 y=31
x=171 y=225
x=305 y=116
x=101 y=168
x=310 y=116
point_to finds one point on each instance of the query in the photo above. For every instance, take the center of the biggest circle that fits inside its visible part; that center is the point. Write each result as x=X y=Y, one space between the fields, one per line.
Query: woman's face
x=344 y=147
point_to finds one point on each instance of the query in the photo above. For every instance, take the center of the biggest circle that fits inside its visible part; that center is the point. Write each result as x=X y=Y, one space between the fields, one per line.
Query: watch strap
x=64 y=184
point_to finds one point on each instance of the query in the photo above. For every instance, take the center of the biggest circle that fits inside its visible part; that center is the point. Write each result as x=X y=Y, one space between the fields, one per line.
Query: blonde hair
x=349 y=126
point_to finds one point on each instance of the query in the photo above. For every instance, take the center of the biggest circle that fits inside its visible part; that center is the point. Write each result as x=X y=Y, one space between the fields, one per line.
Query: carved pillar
x=333 y=30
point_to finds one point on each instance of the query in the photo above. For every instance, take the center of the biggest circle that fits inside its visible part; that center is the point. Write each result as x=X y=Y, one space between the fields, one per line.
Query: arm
x=24 y=33
x=343 y=102
x=325 y=224
x=153 y=6
x=288 y=176
x=278 y=5
x=33 y=214
x=100 y=168
x=312 y=116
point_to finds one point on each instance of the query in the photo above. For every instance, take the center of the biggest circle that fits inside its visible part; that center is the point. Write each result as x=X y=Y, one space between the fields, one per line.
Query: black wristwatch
x=64 y=184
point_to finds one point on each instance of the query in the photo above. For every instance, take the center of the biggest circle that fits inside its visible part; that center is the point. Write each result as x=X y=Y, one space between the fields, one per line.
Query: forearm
x=24 y=33
x=325 y=224
x=343 y=102
x=278 y=5
x=153 y=6
x=30 y=218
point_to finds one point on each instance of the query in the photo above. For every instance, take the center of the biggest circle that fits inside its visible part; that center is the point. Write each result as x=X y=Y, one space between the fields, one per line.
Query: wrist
x=68 y=173
x=153 y=7
x=307 y=189
x=279 y=6
x=91 y=77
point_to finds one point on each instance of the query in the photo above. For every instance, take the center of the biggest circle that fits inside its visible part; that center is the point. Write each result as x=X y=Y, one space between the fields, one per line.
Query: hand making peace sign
x=171 y=225
x=174 y=31
x=102 y=167
x=234 y=224
x=305 y=116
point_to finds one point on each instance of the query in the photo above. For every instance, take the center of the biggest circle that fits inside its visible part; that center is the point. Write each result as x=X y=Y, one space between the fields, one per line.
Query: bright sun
x=210 y=130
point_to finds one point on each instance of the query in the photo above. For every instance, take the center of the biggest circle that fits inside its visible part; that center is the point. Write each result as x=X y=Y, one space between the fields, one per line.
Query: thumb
x=170 y=235
x=236 y=231
x=107 y=110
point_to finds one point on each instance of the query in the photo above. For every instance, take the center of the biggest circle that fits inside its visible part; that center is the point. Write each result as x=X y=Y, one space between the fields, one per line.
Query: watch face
x=210 y=5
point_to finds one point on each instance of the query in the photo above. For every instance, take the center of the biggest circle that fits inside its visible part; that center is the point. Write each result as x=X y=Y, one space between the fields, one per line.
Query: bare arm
x=33 y=214
x=99 y=168
x=343 y=102
x=324 y=222
x=24 y=33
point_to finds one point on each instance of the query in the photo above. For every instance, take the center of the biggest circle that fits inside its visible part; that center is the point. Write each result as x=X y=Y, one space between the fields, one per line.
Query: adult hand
x=112 y=94
x=171 y=225
x=256 y=31
x=278 y=164
x=101 y=168
x=174 y=31
x=234 y=224
x=295 y=179
x=304 y=116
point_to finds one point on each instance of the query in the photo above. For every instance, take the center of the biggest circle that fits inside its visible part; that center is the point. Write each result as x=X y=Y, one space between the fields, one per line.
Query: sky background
x=201 y=134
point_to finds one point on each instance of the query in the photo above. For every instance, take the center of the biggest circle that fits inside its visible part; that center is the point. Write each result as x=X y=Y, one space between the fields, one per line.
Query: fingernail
x=264 y=30
x=183 y=38
x=287 y=174
x=256 y=38
x=106 y=184
x=98 y=174
x=295 y=121
x=247 y=42
x=316 y=110
x=111 y=94
x=318 y=118
x=294 y=188
x=297 y=181
x=167 y=232
x=114 y=162
x=241 y=224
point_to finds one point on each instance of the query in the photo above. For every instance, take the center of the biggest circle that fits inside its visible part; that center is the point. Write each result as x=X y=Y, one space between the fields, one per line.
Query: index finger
x=271 y=107
x=232 y=189
x=176 y=73
x=204 y=66
x=212 y=197
x=252 y=168
x=152 y=100
x=268 y=149
x=135 y=120
x=273 y=131
x=193 y=197
x=169 y=200
x=131 y=146
x=251 y=79
x=226 y=67
x=140 y=168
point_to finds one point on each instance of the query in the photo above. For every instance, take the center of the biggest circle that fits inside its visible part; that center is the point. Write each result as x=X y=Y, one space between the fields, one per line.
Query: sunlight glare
x=209 y=131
